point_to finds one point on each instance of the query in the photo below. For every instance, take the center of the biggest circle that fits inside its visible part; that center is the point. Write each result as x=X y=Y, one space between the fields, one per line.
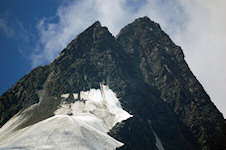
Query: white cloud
x=204 y=44
x=198 y=26
x=12 y=27
x=3 y=26
x=73 y=19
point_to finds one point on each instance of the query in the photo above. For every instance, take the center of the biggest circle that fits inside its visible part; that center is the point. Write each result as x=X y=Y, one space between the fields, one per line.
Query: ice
x=82 y=124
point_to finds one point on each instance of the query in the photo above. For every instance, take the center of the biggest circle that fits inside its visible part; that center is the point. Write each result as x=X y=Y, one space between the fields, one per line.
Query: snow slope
x=81 y=125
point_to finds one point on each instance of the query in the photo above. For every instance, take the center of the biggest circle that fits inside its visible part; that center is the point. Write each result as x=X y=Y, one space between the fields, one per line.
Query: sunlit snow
x=81 y=125
x=65 y=95
x=75 y=96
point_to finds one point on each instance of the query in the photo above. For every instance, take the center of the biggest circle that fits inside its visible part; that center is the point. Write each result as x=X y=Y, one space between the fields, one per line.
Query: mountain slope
x=151 y=80
x=23 y=94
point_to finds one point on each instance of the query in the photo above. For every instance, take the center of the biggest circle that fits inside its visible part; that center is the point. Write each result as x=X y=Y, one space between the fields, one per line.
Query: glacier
x=82 y=124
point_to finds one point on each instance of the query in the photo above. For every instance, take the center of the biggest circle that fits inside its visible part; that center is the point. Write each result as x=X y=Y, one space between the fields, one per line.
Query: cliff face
x=164 y=68
x=149 y=75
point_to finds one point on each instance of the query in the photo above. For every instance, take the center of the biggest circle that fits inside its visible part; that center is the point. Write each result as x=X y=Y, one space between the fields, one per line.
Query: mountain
x=133 y=91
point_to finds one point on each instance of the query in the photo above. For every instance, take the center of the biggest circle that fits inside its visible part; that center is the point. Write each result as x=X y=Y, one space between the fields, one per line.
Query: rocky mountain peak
x=144 y=70
x=140 y=26
x=90 y=36
x=97 y=24
x=91 y=58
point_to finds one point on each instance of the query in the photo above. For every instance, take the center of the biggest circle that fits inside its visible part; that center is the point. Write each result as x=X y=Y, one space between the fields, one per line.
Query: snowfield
x=79 y=125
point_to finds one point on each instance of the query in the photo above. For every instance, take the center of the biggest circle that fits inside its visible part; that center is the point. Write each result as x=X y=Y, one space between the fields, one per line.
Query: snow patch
x=83 y=124
x=93 y=95
x=62 y=132
x=75 y=95
x=65 y=95
x=99 y=103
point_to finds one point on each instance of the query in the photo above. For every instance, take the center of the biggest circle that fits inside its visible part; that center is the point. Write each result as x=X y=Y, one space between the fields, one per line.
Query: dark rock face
x=164 y=68
x=93 y=57
x=149 y=75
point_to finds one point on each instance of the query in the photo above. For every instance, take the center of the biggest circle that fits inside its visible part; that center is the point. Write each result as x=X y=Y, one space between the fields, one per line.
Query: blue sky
x=33 y=32
x=18 y=36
